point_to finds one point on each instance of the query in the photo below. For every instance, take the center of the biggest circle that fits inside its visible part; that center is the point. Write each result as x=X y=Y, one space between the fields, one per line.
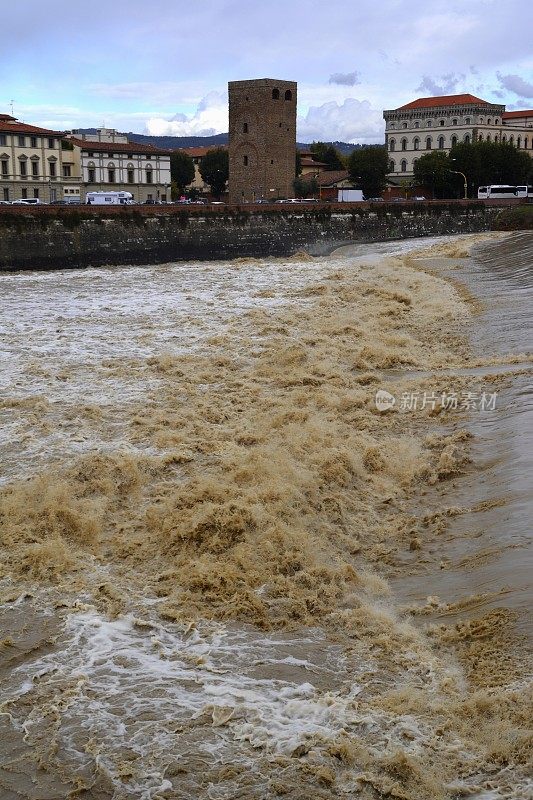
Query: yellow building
x=34 y=163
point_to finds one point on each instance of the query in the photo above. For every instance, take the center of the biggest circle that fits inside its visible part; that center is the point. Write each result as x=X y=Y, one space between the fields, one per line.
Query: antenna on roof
x=11 y=104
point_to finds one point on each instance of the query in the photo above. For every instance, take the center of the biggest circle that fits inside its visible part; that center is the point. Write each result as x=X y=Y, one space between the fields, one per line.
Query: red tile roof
x=199 y=152
x=11 y=125
x=444 y=100
x=517 y=114
x=327 y=177
x=117 y=147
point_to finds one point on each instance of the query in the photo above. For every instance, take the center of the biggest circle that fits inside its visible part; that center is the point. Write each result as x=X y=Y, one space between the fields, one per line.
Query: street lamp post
x=456 y=172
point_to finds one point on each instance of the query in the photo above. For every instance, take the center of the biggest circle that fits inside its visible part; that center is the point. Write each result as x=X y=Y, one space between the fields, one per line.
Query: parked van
x=108 y=198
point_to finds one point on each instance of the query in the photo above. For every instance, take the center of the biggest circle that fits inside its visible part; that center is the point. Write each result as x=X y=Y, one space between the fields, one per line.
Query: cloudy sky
x=162 y=66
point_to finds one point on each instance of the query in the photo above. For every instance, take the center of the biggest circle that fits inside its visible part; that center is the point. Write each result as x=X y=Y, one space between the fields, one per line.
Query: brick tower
x=262 y=139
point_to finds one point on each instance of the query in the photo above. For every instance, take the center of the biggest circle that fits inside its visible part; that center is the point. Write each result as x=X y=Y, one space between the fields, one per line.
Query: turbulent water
x=226 y=573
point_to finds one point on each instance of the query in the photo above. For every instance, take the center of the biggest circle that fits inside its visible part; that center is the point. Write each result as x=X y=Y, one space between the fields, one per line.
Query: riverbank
x=202 y=508
x=49 y=237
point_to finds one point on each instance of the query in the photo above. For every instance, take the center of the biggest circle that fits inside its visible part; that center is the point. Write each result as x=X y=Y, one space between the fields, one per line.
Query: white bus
x=108 y=198
x=503 y=191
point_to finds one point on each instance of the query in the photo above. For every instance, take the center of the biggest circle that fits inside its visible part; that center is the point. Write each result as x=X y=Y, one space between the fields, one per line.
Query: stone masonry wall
x=66 y=238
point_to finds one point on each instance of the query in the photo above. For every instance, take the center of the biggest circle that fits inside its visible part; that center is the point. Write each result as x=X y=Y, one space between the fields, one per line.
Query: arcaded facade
x=438 y=123
x=262 y=139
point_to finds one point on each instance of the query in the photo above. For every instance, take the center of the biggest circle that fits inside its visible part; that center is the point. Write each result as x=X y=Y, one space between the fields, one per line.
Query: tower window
x=245 y=128
x=245 y=161
x=275 y=94
x=288 y=95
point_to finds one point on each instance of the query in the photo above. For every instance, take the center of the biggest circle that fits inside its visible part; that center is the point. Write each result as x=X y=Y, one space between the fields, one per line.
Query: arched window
x=149 y=174
x=454 y=141
x=130 y=170
x=404 y=144
x=392 y=145
x=392 y=166
x=441 y=123
x=496 y=121
x=519 y=142
x=416 y=143
x=403 y=166
x=429 y=124
x=441 y=142
x=404 y=124
x=481 y=120
x=504 y=137
x=525 y=143
x=245 y=127
x=391 y=125
x=511 y=139
x=480 y=137
x=467 y=138
x=288 y=95
x=467 y=121
x=275 y=94
x=454 y=122
x=417 y=124
x=488 y=137
x=245 y=160
x=489 y=121
x=428 y=143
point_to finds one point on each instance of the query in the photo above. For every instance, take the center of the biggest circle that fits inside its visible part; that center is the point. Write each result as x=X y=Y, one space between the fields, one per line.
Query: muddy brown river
x=227 y=570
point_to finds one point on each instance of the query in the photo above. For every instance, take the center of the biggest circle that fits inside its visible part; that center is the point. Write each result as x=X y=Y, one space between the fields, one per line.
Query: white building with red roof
x=438 y=123
x=111 y=163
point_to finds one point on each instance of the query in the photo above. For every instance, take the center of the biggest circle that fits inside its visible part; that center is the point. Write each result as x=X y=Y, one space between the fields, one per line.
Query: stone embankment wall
x=49 y=237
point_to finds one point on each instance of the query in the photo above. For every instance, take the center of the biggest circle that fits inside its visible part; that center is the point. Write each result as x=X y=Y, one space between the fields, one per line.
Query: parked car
x=27 y=201
x=5 y=202
x=374 y=199
x=419 y=198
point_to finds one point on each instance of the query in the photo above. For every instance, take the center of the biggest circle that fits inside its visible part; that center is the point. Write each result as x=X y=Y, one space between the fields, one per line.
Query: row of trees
x=481 y=162
x=214 y=169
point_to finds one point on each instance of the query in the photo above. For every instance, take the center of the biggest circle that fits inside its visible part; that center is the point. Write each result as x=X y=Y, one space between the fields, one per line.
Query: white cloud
x=350 y=121
x=210 y=117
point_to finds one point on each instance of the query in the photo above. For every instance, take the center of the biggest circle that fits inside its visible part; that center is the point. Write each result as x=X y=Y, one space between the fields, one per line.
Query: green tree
x=305 y=186
x=328 y=154
x=214 y=169
x=433 y=170
x=490 y=162
x=181 y=170
x=298 y=165
x=368 y=168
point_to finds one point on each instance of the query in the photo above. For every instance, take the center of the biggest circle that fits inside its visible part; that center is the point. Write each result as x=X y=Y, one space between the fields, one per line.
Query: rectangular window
x=131 y=176
x=163 y=198
x=245 y=161
x=149 y=197
x=35 y=169
x=52 y=168
x=111 y=175
x=110 y=155
x=91 y=175
x=148 y=158
x=4 y=168
x=24 y=194
x=90 y=155
x=6 y=194
x=23 y=170
x=33 y=141
x=22 y=141
x=67 y=170
x=51 y=144
x=3 y=138
x=36 y=192
x=148 y=176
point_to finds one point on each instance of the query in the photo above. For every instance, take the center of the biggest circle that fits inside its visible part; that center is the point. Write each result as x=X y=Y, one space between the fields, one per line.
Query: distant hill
x=172 y=142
